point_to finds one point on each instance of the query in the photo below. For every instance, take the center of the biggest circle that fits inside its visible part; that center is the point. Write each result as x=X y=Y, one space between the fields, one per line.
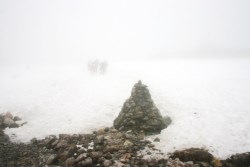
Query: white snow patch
x=91 y=145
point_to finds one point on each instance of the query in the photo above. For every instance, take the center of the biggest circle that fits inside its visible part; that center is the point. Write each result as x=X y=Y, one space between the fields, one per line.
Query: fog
x=193 y=55
x=73 y=31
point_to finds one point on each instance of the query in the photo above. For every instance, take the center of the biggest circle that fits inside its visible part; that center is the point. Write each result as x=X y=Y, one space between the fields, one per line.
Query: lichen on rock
x=139 y=113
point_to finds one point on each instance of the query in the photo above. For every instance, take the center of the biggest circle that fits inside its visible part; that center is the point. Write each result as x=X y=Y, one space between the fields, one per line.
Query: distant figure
x=103 y=67
x=93 y=66
x=90 y=66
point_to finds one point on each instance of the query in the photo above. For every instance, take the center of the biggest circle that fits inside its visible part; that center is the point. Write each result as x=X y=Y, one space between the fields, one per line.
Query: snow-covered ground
x=207 y=99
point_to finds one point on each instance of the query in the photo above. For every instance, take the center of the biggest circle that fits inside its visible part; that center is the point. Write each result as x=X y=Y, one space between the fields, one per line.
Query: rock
x=123 y=160
x=106 y=129
x=167 y=121
x=64 y=136
x=107 y=163
x=15 y=125
x=100 y=132
x=139 y=113
x=52 y=158
x=71 y=150
x=99 y=139
x=189 y=164
x=217 y=163
x=193 y=154
x=126 y=156
x=54 y=143
x=33 y=140
x=152 y=162
x=128 y=135
x=8 y=115
x=157 y=139
x=95 y=155
x=203 y=164
x=128 y=143
x=113 y=130
x=16 y=118
x=151 y=145
x=24 y=123
x=87 y=162
x=236 y=160
x=8 y=122
x=49 y=140
x=63 y=155
x=81 y=157
x=198 y=165
x=70 y=162
x=108 y=155
x=61 y=144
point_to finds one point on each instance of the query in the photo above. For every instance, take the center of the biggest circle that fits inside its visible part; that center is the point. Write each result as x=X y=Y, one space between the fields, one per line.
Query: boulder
x=242 y=160
x=8 y=115
x=52 y=158
x=99 y=139
x=87 y=162
x=81 y=157
x=8 y=122
x=107 y=163
x=139 y=113
x=70 y=162
x=95 y=155
x=157 y=139
x=17 y=118
x=62 y=144
x=194 y=154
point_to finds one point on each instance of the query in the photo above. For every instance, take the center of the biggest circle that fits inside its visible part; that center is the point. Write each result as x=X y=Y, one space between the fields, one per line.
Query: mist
x=74 y=31
x=67 y=67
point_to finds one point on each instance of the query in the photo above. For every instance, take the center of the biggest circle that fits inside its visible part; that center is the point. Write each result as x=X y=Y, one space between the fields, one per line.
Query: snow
x=207 y=99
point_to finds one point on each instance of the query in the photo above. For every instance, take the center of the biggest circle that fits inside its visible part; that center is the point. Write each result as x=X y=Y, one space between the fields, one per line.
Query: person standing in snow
x=93 y=66
x=103 y=67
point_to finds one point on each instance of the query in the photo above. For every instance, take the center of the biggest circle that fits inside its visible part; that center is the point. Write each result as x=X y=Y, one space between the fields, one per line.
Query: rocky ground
x=105 y=147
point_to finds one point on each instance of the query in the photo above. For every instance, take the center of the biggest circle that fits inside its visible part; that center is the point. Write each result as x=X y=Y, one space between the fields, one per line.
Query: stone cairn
x=139 y=113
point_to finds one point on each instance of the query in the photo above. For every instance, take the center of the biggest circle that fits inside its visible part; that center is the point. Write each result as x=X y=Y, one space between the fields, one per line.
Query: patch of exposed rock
x=139 y=113
x=238 y=160
x=107 y=147
x=194 y=154
x=103 y=148
x=8 y=121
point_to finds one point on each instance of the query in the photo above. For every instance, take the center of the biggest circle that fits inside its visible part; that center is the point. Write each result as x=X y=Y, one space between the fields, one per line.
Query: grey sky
x=45 y=30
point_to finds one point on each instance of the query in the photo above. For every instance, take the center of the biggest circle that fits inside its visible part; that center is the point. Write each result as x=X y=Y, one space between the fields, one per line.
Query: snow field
x=207 y=99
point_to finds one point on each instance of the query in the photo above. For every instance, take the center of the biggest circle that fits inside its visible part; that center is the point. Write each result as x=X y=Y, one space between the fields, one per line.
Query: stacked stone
x=139 y=113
